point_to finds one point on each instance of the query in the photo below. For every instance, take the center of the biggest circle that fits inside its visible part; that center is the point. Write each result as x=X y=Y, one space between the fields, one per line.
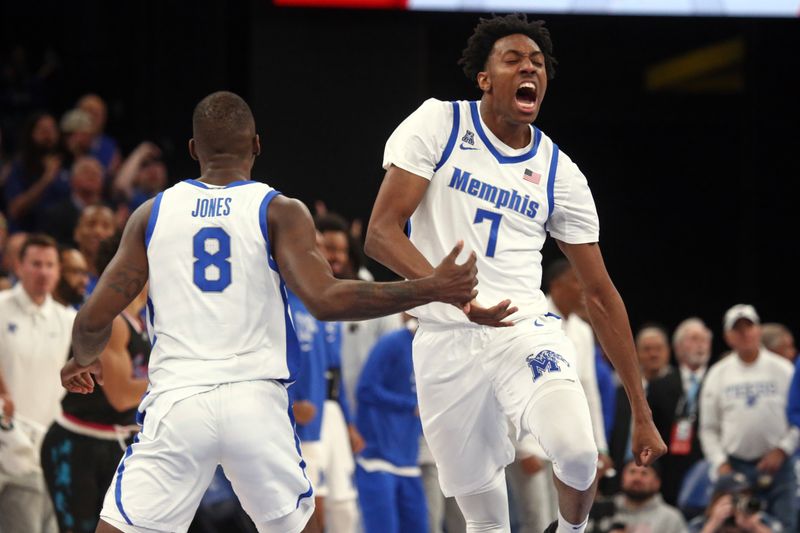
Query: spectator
x=743 y=424
x=566 y=300
x=387 y=476
x=10 y=260
x=86 y=188
x=674 y=400
x=140 y=177
x=793 y=404
x=83 y=446
x=734 y=509
x=71 y=288
x=76 y=128
x=102 y=147
x=652 y=348
x=36 y=180
x=640 y=506
x=652 y=345
x=308 y=398
x=95 y=224
x=35 y=336
x=778 y=339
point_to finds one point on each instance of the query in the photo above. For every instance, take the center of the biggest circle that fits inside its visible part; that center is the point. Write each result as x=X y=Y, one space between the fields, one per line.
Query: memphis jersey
x=500 y=201
x=217 y=308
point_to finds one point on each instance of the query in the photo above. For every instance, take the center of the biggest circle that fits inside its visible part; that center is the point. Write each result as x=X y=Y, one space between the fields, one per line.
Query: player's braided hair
x=489 y=30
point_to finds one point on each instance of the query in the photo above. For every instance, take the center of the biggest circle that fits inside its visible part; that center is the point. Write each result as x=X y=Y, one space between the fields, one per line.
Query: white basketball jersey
x=499 y=201
x=217 y=310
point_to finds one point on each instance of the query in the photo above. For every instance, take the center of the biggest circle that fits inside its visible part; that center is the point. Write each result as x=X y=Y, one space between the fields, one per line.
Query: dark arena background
x=686 y=127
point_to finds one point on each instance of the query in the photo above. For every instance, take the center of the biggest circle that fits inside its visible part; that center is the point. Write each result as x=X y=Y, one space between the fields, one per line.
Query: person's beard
x=638 y=495
x=67 y=293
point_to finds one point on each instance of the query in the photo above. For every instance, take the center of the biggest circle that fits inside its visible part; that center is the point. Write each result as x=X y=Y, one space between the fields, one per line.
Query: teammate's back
x=215 y=293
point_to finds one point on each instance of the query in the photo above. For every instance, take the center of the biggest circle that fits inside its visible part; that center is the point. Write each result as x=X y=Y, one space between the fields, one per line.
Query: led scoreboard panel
x=736 y=8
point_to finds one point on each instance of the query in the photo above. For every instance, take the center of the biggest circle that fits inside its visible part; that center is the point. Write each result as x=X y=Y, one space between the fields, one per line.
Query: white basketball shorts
x=246 y=427
x=472 y=380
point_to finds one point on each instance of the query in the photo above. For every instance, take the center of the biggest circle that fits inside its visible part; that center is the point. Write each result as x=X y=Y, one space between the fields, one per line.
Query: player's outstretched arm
x=308 y=275
x=386 y=241
x=610 y=320
x=123 y=279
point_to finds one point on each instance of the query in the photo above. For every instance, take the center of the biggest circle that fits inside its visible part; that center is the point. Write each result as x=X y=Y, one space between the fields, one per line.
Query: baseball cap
x=737 y=312
x=76 y=120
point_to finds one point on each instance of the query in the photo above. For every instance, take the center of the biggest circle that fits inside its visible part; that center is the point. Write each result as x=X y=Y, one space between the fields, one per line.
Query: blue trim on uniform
x=118 y=486
x=239 y=183
x=151 y=222
x=407 y=229
x=198 y=183
x=302 y=464
x=262 y=222
x=551 y=180
x=503 y=159
x=451 y=142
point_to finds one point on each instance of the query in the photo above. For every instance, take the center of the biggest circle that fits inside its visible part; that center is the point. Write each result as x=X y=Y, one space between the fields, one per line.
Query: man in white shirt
x=674 y=400
x=35 y=335
x=743 y=424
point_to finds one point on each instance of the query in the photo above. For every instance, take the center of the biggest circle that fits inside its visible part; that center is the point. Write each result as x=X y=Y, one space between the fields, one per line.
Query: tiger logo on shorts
x=545 y=362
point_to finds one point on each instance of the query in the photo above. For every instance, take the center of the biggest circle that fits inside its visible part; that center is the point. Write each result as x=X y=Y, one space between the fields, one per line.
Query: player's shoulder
x=434 y=109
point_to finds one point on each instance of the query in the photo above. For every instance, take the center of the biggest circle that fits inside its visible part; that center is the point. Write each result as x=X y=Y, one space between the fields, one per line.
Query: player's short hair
x=219 y=118
x=555 y=270
x=106 y=251
x=37 y=239
x=490 y=30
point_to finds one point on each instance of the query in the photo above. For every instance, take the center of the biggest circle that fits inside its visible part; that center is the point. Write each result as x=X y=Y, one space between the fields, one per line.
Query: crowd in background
x=67 y=191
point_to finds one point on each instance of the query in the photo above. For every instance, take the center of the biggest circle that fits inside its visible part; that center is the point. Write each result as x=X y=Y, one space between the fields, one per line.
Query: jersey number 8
x=212 y=249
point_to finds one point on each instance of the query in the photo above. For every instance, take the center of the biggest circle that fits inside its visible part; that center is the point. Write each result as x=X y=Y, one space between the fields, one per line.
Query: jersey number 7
x=480 y=216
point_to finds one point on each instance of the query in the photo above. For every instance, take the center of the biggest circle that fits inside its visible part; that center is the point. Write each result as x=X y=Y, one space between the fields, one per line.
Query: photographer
x=734 y=509
x=639 y=508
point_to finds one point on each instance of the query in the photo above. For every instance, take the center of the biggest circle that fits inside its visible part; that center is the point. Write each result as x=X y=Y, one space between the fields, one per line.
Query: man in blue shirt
x=389 y=484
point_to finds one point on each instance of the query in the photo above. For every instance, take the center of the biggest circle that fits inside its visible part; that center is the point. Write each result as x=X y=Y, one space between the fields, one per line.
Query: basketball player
x=481 y=170
x=219 y=253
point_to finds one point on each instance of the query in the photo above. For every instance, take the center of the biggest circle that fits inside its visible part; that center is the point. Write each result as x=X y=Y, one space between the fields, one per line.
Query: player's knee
x=576 y=464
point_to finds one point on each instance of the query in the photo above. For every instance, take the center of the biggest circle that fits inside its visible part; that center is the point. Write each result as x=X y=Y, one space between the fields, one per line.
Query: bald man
x=86 y=188
x=103 y=147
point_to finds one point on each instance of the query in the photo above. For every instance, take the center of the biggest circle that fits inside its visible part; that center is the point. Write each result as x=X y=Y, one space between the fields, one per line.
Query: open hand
x=491 y=316
x=76 y=378
x=455 y=284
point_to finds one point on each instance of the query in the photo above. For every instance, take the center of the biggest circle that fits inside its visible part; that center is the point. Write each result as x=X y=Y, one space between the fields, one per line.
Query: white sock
x=566 y=527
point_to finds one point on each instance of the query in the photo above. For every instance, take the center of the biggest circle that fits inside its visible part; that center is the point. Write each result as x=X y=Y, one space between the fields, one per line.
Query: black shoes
x=552 y=527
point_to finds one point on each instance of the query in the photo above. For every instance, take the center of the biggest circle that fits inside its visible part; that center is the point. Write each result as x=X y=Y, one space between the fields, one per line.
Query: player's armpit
x=386 y=241
x=123 y=279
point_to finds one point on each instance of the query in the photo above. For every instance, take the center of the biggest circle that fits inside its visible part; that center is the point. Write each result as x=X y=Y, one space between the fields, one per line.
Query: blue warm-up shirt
x=387 y=402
